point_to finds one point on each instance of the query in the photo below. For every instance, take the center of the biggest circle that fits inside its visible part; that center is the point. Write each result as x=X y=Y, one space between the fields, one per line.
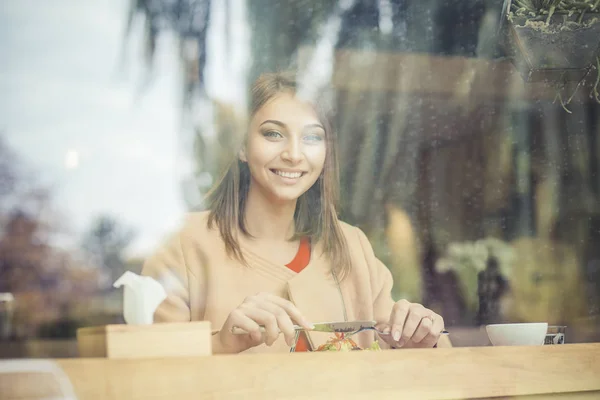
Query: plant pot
x=557 y=51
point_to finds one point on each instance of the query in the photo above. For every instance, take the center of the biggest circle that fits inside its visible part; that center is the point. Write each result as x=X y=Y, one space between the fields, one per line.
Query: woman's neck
x=266 y=219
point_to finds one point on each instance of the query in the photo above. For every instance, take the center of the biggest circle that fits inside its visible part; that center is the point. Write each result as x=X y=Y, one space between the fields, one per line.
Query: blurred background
x=469 y=138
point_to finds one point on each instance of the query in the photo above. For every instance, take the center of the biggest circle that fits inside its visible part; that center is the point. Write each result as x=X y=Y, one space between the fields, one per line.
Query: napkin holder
x=181 y=339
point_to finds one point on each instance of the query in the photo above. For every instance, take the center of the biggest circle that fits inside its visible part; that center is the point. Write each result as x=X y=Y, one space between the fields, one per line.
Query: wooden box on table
x=187 y=339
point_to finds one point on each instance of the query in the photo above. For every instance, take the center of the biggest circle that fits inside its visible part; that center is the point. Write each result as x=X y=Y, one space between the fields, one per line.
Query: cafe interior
x=469 y=155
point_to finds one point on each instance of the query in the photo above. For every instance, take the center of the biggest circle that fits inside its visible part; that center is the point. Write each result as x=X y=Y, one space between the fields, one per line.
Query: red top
x=298 y=264
x=302 y=257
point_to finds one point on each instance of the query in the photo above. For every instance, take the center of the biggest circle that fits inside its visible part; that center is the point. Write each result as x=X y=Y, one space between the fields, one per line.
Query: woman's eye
x=312 y=138
x=272 y=134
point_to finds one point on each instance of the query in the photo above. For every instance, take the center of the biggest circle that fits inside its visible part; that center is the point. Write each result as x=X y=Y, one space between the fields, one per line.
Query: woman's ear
x=242 y=155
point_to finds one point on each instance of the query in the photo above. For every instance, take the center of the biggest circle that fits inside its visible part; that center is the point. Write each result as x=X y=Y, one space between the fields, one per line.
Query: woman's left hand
x=412 y=325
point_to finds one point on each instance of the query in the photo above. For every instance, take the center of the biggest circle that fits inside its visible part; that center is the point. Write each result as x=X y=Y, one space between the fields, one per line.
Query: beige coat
x=203 y=283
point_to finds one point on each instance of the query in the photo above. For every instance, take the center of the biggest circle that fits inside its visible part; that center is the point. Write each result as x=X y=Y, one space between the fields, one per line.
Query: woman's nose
x=292 y=152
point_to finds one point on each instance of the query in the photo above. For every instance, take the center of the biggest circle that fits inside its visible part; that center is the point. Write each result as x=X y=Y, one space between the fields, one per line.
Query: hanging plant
x=556 y=41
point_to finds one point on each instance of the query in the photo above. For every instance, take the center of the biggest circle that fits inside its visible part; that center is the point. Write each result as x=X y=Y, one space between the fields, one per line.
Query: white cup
x=526 y=334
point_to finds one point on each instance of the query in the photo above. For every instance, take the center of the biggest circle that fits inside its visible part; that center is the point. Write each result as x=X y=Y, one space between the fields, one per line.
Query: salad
x=341 y=343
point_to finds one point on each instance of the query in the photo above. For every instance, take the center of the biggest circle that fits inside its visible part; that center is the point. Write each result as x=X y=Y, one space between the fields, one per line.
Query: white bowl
x=532 y=334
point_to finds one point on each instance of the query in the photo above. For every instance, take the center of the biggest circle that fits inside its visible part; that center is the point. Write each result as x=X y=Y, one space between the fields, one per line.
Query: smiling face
x=285 y=148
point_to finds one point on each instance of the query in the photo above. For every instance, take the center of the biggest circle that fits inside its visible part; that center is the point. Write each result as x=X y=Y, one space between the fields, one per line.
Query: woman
x=270 y=251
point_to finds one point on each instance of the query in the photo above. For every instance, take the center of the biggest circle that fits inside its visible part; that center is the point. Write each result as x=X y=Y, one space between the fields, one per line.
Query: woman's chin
x=286 y=196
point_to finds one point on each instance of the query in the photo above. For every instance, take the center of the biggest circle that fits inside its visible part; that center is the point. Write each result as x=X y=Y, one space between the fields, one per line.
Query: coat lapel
x=317 y=295
x=313 y=290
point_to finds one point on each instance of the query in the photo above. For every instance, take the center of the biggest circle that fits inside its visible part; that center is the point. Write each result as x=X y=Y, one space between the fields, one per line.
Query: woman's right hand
x=276 y=314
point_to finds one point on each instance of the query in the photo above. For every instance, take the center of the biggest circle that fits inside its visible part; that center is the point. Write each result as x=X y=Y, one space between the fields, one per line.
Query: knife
x=340 y=327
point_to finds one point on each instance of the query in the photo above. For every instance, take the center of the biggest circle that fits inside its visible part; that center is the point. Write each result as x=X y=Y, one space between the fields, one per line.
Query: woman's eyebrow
x=272 y=121
x=279 y=123
x=314 y=126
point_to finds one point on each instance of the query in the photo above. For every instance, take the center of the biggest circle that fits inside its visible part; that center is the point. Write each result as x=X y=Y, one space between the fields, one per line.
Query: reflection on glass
x=6 y=315
x=473 y=173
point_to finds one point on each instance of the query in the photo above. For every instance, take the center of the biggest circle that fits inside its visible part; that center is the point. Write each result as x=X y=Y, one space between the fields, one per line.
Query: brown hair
x=315 y=214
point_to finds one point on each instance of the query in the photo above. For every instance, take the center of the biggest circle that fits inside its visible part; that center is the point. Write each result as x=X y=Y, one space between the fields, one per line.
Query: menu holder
x=181 y=339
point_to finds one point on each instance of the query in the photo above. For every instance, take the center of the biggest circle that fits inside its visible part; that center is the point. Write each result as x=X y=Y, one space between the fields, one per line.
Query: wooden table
x=569 y=371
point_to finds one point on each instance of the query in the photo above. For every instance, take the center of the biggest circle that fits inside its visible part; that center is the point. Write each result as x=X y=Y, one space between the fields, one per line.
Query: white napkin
x=142 y=297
